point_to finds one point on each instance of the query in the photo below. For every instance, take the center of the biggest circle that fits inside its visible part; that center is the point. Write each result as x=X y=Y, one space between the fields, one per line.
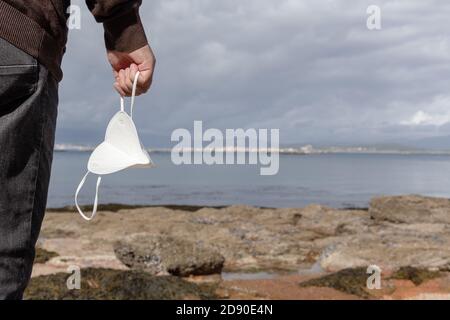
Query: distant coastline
x=301 y=150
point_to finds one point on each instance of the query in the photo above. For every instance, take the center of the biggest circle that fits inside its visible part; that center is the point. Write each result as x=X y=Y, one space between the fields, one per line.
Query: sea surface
x=337 y=180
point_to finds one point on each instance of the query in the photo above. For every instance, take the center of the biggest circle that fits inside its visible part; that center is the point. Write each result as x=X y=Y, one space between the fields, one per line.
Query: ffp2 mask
x=121 y=149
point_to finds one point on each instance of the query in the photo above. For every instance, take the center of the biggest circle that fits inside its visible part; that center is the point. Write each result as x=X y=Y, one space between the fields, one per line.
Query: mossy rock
x=42 y=255
x=352 y=281
x=416 y=275
x=108 y=284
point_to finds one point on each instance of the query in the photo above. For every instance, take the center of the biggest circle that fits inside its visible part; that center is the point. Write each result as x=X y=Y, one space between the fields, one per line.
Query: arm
x=126 y=43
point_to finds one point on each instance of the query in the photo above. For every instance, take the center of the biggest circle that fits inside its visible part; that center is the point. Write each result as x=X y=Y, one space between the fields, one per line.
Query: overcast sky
x=308 y=67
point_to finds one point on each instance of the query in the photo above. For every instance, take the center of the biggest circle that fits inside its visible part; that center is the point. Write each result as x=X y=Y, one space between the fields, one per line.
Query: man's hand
x=125 y=65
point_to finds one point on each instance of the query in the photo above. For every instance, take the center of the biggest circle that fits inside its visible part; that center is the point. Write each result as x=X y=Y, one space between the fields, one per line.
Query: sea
x=340 y=180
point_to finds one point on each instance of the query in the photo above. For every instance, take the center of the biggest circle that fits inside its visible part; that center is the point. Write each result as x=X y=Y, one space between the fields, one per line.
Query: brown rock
x=158 y=254
x=410 y=209
x=391 y=246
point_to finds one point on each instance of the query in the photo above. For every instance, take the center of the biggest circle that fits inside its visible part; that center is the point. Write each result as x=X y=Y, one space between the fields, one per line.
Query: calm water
x=338 y=180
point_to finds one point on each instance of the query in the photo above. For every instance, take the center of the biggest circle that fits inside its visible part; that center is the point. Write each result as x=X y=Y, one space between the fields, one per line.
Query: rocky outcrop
x=406 y=231
x=408 y=237
x=410 y=209
x=162 y=254
x=392 y=246
x=351 y=281
x=394 y=232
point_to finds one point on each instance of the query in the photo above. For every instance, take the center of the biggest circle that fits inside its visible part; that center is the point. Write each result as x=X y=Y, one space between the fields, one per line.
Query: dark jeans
x=28 y=109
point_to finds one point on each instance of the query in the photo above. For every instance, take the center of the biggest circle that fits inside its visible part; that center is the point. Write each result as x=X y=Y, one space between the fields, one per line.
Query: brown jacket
x=39 y=28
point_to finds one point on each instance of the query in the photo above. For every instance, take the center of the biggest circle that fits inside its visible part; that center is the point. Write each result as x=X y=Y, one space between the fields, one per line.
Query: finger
x=122 y=83
x=128 y=79
x=133 y=70
x=142 y=82
x=145 y=81
x=115 y=74
x=119 y=89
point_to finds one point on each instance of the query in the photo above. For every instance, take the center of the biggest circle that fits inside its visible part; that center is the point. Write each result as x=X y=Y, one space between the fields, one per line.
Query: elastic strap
x=133 y=95
x=122 y=104
x=94 y=209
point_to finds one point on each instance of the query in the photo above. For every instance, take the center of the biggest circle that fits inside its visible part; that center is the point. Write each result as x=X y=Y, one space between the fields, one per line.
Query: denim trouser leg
x=28 y=109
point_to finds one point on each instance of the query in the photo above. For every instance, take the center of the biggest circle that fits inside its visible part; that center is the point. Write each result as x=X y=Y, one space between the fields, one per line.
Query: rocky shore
x=236 y=252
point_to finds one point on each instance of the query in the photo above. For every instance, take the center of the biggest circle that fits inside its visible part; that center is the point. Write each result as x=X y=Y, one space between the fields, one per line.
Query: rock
x=428 y=285
x=249 y=238
x=391 y=246
x=327 y=222
x=396 y=232
x=410 y=209
x=42 y=255
x=351 y=281
x=254 y=239
x=108 y=284
x=416 y=275
x=158 y=254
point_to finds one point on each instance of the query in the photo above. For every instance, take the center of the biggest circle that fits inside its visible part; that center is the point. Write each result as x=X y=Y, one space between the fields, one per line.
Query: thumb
x=145 y=79
x=144 y=75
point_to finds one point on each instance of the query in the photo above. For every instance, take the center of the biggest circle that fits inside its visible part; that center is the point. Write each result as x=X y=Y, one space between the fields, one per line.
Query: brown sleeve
x=123 y=28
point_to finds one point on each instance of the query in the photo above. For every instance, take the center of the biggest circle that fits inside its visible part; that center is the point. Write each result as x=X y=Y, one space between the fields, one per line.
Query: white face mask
x=121 y=149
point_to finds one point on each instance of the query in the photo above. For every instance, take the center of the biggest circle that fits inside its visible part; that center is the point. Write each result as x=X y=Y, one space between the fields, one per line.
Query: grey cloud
x=310 y=68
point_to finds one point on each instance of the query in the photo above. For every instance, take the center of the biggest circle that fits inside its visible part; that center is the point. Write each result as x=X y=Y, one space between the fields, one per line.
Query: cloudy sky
x=310 y=68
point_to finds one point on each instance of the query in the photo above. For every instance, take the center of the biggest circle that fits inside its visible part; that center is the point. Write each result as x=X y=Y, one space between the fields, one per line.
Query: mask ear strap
x=133 y=95
x=94 y=209
x=122 y=104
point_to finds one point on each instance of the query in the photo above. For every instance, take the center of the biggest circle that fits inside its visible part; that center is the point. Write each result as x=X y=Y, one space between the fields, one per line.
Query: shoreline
x=115 y=207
